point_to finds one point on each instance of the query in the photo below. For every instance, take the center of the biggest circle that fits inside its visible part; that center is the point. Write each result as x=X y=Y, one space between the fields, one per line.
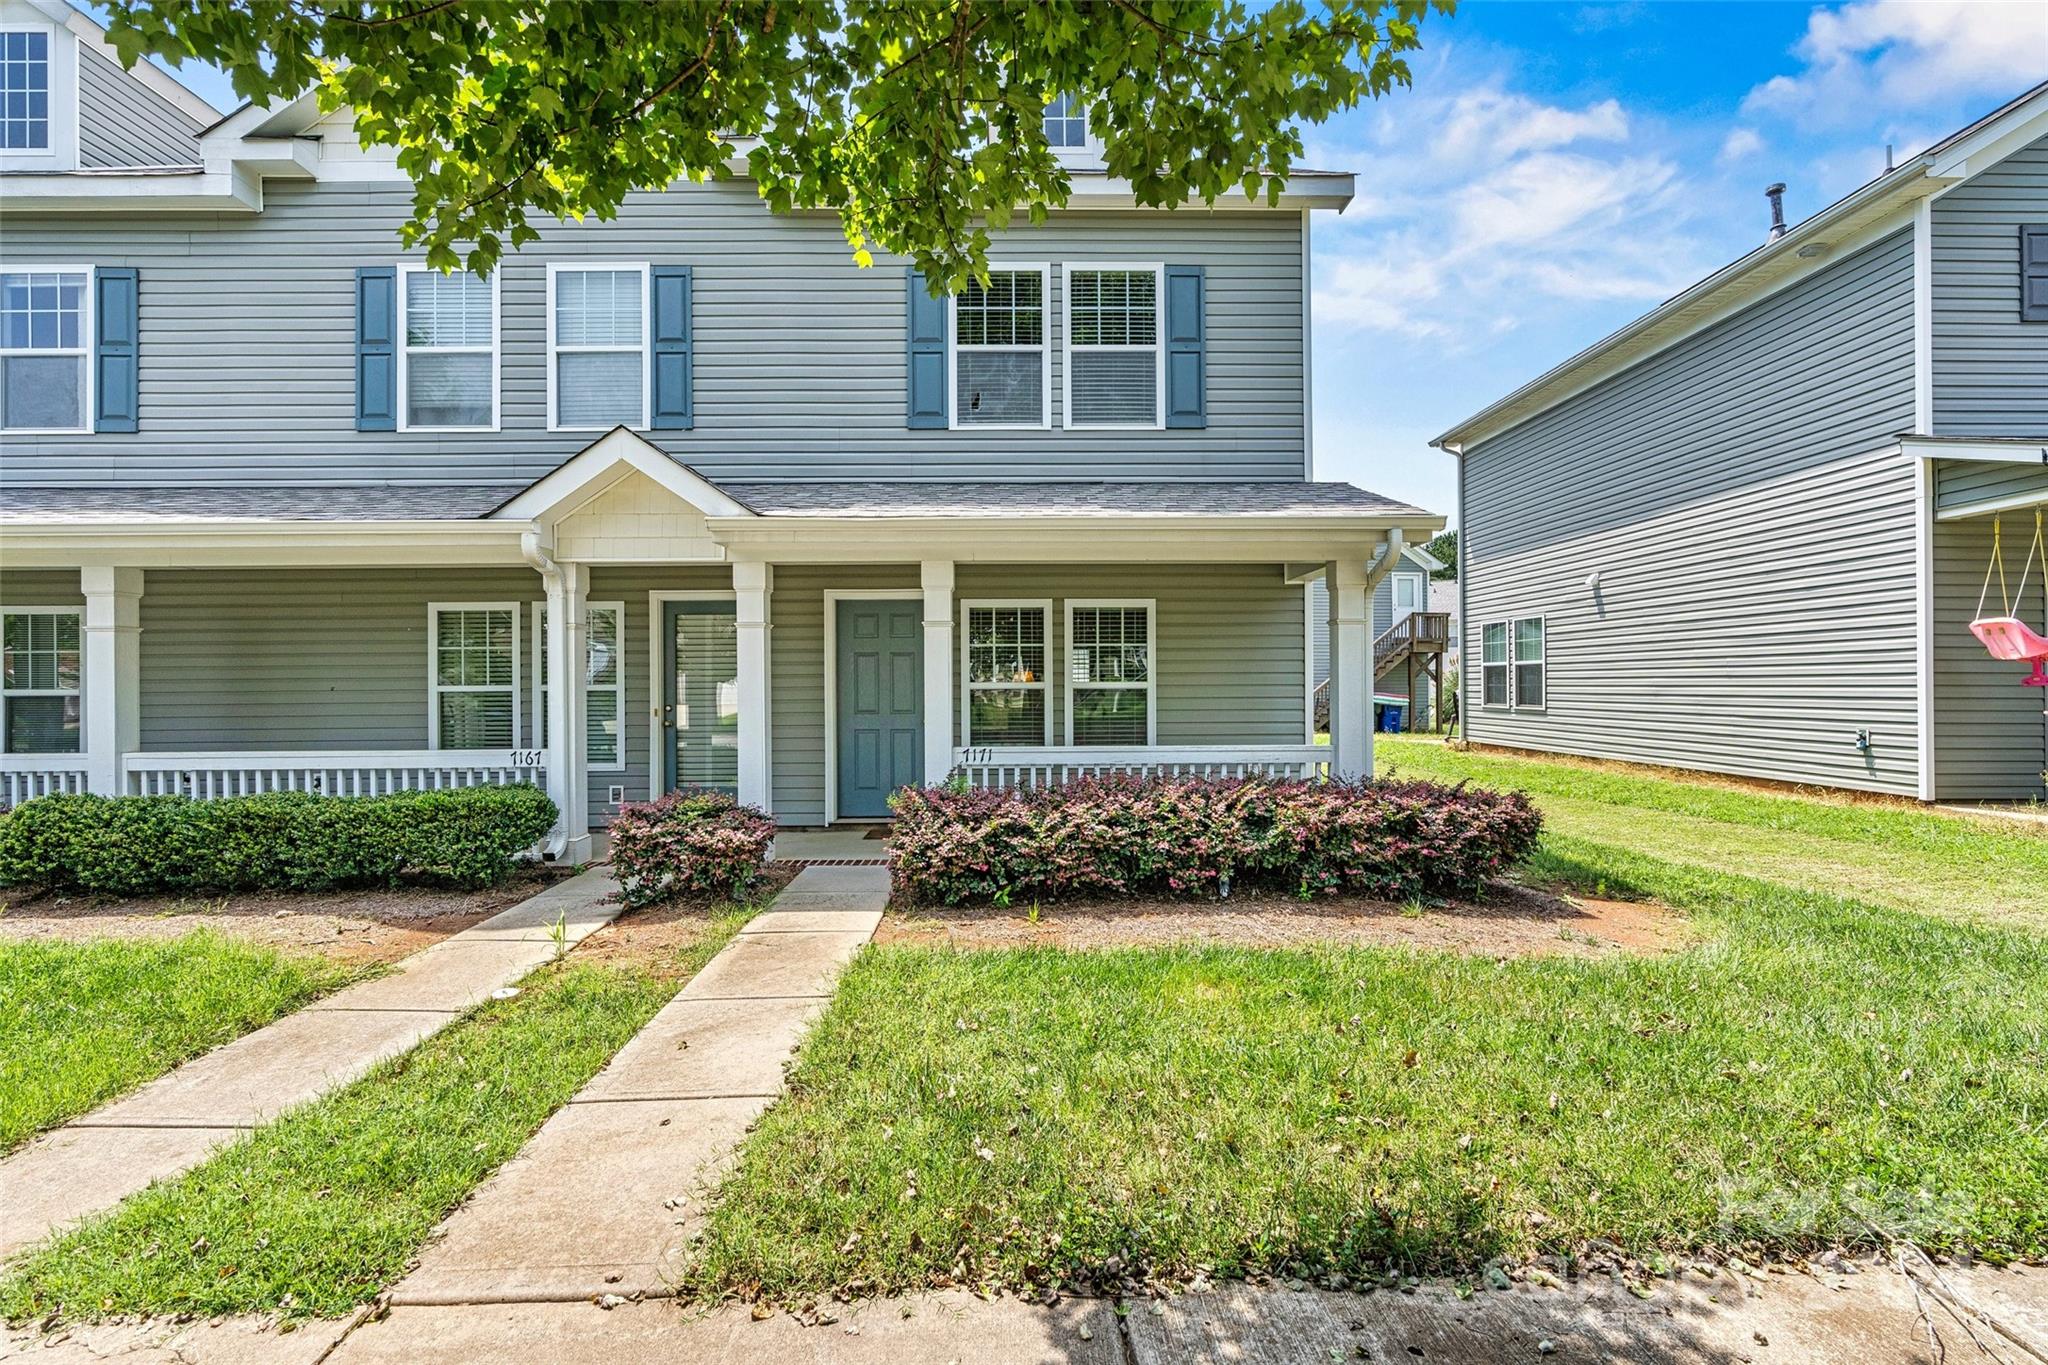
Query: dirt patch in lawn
x=347 y=926
x=1512 y=921
x=657 y=938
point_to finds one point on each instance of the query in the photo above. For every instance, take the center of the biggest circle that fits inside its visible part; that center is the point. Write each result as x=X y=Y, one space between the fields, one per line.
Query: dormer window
x=24 y=90
x=1066 y=124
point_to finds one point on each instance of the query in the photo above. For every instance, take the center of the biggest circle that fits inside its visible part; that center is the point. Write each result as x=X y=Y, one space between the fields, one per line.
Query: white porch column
x=1350 y=670
x=567 y=648
x=110 y=710
x=753 y=584
x=937 y=578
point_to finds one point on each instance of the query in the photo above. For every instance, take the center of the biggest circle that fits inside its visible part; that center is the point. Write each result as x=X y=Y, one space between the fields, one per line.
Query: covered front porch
x=810 y=648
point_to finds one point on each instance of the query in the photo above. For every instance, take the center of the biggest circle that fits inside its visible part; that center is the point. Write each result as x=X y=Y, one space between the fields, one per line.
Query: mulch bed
x=651 y=937
x=1512 y=921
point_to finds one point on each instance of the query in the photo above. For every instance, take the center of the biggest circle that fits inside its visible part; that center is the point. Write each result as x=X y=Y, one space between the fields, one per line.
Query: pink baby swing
x=2007 y=637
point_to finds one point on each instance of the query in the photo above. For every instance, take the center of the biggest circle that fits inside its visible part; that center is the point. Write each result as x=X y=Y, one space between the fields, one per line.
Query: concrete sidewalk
x=172 y=1123
x=603 y=1198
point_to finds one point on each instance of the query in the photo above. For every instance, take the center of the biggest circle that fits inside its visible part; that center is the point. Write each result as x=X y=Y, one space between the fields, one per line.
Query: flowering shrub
x=1194 y=837
x=688 y=842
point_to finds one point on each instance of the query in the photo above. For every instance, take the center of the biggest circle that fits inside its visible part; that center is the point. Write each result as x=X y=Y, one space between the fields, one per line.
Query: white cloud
x=1519 y=210
x=1740 y=143
x=1893 y=54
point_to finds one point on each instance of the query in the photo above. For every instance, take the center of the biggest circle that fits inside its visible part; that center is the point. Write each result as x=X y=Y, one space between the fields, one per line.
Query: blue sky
x=1558 y=169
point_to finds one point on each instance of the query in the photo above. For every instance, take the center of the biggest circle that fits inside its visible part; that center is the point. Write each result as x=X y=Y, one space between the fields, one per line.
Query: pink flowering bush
x=689 y=842
x=1197 y=837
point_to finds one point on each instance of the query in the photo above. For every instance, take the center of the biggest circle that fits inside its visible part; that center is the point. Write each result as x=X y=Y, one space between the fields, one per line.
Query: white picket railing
x=1004 y=768
x=358 y=773
x=23 y=777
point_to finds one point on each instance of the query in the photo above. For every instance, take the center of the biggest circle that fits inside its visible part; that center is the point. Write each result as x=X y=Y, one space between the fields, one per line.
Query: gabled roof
x=602 y=463
x=1881 y=206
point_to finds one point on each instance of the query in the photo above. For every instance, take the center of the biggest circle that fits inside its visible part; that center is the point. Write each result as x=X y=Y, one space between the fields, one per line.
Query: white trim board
x=833 y=597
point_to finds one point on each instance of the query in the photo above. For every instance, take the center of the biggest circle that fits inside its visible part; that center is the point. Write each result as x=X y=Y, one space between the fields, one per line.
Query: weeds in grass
x=558 y=934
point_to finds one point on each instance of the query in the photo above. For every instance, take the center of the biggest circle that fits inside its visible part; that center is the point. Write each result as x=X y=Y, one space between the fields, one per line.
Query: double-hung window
x=1115 y=371
x=1066 y=124
x=1529 y=662
x=24 y=90
x=598 y=374
x=1493 y=664
x=1005 y=664
x=45 y=349
x=448 y=362
x=1002 y=368
x=604 y=691
x=39 y=694
x=474 y=677
x=1109 y=673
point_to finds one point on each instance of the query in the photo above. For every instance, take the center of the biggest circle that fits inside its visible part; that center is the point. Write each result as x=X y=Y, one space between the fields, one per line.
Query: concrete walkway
x=605 y=1196
x=172 y=1123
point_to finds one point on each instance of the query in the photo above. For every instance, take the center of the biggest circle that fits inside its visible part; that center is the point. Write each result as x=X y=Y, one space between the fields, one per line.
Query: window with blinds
x=449 y=357
x=39 y=693
x=999 y=351
x=706 y=726
x=1109 y=673
x=604 y=693
x=1113 y=359
x=597 y=343
x=1005 y=668
x=475 y=685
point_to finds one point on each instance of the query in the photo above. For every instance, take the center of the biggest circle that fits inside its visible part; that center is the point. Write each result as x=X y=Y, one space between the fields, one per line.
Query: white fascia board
x=1996 y=450
x=1987 y=146
x=158 y=191
x=603 y=463
x=223 y=544
x=1423 y=558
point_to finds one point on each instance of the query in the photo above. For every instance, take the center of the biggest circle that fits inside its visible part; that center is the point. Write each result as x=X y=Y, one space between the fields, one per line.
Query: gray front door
x=699 y=737
x=880 y=672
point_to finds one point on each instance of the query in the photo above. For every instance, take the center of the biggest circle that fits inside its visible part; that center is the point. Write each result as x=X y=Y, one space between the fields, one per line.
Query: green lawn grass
x=324 y=1208
x=81 y=1023
x=1814 y=1067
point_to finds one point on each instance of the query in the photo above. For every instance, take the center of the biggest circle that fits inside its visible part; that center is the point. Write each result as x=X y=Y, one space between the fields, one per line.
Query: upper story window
x=1001 y=364
x=1066 y=124
x=1115 y=373
x=25 y=90
x=597 y=347
x=448 y=359
x=45 y=337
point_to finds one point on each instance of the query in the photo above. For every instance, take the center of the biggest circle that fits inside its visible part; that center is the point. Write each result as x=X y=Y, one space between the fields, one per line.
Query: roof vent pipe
x=1776 y=194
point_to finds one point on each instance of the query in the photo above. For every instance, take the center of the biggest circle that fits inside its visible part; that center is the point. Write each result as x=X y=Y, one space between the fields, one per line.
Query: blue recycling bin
x=1390 y=718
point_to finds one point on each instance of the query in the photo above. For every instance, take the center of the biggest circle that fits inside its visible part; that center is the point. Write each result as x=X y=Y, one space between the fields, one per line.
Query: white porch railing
x=23 y=777
x=359 y=773
x=1001 y=767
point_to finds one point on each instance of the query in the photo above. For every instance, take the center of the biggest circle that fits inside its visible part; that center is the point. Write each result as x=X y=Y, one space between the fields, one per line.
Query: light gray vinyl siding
x=1230 y=665
x=1753 y=536
x=1990 y=369
x=247 y=347
x=1990 y=738
x=1971 y=483
x=122 y=122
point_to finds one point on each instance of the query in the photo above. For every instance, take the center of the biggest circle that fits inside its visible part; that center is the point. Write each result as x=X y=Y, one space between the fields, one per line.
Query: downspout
x=535 y=553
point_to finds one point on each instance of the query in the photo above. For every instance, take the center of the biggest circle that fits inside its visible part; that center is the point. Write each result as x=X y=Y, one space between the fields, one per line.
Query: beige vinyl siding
x=122 y=122
x=1741 y=497
x=248 y=335
x=40 y=588
x=1990 y=369
x=1990 y=738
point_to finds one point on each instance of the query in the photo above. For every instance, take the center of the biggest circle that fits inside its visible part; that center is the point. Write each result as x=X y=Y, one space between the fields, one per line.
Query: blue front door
x=880 y=672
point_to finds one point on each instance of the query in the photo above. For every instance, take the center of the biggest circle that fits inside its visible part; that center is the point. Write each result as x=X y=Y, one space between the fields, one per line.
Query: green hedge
x=284 y=841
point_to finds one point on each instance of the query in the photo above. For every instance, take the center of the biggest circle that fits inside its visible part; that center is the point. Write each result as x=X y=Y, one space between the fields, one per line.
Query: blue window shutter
x=672 y=404
x=2034 y=273
x=377 y=348
x=927 y=356
x=114 y=348
x=1186 y=339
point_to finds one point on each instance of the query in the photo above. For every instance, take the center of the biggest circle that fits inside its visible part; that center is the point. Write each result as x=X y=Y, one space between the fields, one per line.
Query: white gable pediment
x=622 y=500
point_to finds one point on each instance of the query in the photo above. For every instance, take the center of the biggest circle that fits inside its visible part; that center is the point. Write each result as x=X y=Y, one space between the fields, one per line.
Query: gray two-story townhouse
x=1750 y=531
x=282 y=508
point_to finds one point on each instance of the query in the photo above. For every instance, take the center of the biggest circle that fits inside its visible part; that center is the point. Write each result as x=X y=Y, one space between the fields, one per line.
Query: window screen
x=1113 y=346
x=600 y=331
x=43 y=343
x=999 y=350
x=450 y=372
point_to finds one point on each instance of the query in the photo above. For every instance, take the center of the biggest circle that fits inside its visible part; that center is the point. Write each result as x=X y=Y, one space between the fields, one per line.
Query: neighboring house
x=280 y=507
x=1408 y=651
x=1747 y=532
x=1443 y=600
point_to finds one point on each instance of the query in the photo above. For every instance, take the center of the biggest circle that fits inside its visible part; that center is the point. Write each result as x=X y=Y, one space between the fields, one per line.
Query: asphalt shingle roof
x=462 y=502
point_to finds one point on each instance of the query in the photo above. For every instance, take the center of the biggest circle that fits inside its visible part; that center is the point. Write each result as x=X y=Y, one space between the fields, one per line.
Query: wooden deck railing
x=1421 y=632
